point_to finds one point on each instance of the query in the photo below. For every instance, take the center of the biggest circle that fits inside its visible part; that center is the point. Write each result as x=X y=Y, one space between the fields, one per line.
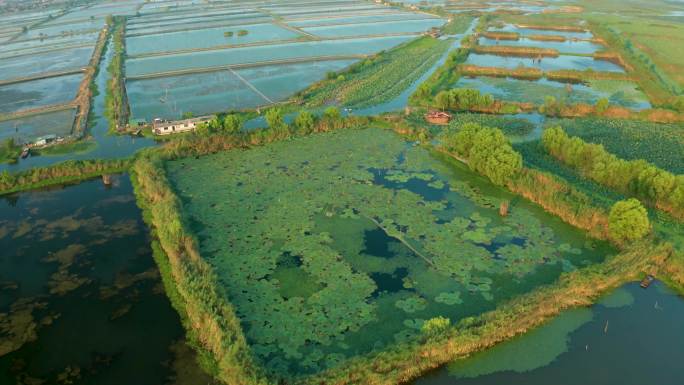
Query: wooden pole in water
x=503 y=208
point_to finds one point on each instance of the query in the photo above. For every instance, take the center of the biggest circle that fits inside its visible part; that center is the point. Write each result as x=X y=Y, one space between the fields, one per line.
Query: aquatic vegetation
x=543 y=345
x=447 y=256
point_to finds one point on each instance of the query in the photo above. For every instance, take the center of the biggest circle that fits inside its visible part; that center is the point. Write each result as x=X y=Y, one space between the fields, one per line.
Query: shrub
x=628 y=221
x=435 y=326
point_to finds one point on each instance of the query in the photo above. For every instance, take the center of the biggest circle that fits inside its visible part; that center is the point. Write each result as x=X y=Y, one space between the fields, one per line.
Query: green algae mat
x=339 y=244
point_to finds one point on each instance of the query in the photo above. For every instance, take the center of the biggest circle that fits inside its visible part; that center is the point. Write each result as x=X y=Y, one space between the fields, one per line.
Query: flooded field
x=367 y=261
x=81 y=301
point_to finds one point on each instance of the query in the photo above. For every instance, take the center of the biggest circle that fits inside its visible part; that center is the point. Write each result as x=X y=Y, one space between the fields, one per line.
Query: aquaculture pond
x=532 y=31
x=211 y=92
x=628 y=338
x=621 y=93
x=338 y=244
x=27 y=129
x=37 y=93
x=330 y=21
x=206 y=38
x=568 y=46
x=562 y=62
x=375 y=28
x=98 y=143
x=81 y=300
x=52 y=61
x=259 y=54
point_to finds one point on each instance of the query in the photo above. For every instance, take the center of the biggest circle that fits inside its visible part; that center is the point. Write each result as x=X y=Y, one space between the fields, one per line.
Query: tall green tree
x=628 y=221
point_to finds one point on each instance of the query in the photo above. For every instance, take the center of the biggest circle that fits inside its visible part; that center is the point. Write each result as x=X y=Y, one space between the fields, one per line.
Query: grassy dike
x=62 y=173
x=215 y=330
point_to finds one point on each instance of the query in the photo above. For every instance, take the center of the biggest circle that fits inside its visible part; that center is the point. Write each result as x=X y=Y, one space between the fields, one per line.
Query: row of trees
x=636 y=178
x=462 y=99
x=486 y=150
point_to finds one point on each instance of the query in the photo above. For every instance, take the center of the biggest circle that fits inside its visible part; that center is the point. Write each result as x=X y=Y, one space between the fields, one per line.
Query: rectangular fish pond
x=345 y=243
x=562 y=62
x=568 y=46
x=618 y=92
x=29 y=128
x=212 y=92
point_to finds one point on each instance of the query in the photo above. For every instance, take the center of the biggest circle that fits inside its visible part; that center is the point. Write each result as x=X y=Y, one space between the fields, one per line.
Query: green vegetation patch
x=381 y=78
x=339 y=244
x=660 y=144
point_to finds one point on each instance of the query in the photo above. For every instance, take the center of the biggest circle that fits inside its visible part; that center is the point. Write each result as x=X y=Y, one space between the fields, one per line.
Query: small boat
x=25 y=153
x=647 y=281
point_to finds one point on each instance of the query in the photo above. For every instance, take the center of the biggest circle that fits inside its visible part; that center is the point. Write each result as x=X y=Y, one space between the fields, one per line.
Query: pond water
x=385 y=17
x=27 y=129
x=631 y=337
x=24 y=47
x=31 y=65
x=65 y=29
x=206 y=38
x=295 y=212
x=37 y=93
x=375 y=28
x=568 y=46
x=562 y=62
x=243 y=55
x=619 y=93
x=81 y=301
x=531 y=31
x=228 y=22
x=211 y=92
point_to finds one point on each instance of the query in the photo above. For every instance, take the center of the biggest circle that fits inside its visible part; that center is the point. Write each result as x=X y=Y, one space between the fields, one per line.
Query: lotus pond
x=339 y=244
